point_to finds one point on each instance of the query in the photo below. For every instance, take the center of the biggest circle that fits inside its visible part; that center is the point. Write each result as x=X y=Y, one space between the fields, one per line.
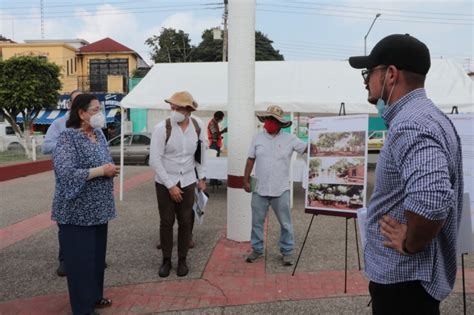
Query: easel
x=463 y=284
x=454 y=110
x=345 y=215
x=315 y=212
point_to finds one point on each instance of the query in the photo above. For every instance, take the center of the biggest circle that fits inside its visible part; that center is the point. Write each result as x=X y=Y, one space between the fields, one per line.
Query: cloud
x=116 y=24
x=21 y=29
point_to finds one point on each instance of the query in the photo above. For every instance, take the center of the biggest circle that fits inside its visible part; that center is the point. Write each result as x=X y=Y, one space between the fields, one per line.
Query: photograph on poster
x=336 y=170
x=339 y=197
x=338 y=144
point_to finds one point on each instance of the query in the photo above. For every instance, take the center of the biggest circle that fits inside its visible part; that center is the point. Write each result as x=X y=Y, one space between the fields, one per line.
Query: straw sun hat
x=275 y=112
x=183 y=99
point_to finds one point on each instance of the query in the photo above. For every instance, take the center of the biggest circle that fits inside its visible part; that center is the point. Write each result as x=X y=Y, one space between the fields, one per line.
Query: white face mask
x=177 y=117
x=97 y=120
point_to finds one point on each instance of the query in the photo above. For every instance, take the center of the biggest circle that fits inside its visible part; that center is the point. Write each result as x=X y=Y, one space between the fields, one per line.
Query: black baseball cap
x=403 y=51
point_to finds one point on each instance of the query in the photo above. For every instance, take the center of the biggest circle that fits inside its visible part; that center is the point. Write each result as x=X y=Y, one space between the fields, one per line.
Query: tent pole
x=122 y=131
x=292 y=162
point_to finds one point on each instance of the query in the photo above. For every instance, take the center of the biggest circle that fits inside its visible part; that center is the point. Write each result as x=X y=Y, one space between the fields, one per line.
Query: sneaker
x=253 y=257
x=287 y=260
x=61 y=271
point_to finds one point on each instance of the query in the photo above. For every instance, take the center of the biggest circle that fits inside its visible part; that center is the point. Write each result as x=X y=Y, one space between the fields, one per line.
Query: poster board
x=464 y=124
x=337 y=165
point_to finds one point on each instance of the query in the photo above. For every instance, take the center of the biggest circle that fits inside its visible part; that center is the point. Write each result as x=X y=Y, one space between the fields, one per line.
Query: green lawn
x=13 y=157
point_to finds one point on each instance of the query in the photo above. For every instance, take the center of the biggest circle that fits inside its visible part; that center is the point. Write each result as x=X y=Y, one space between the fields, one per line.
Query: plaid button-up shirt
x=419 y=169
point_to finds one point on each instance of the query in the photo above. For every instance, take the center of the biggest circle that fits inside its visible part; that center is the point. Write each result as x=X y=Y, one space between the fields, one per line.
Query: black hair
x=81 y=102
x=414 y=80
x=75 y=91
x=219 y=115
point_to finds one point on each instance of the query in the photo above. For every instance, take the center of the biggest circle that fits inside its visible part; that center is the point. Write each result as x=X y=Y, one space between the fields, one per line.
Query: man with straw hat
x=271 y=151
x=179 y=165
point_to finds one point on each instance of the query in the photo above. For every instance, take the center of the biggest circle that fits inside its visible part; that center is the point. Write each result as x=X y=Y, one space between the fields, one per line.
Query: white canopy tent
x=296 y=86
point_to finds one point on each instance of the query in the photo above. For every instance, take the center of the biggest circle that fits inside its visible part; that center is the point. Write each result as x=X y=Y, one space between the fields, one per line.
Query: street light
x=365 y=37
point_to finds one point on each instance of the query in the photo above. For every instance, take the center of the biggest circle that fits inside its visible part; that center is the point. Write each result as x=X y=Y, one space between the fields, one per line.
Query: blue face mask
x=380 y=106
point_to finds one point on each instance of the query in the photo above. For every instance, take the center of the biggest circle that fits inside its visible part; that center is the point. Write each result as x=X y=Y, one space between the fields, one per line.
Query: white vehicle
x=10 y=142
x=376 y=140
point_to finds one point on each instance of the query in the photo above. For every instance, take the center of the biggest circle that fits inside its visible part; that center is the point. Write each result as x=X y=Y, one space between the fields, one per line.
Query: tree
x=140 y=72
x=315 y=164
x=264 y=49
x=210 y=49
x=27 y=84
x=170 y=46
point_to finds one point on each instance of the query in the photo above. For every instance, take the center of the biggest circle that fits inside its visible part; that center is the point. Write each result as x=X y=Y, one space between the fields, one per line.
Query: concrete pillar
x=241 y=113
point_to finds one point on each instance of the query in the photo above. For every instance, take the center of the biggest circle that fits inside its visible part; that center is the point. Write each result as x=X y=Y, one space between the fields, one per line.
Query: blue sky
x=300 y=29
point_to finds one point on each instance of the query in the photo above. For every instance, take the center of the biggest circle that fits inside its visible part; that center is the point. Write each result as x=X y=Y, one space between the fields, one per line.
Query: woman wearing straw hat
x=174 y=156
x=271 y=150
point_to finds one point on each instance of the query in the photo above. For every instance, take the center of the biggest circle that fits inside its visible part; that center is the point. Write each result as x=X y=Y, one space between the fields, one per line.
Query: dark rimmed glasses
x=367 y=72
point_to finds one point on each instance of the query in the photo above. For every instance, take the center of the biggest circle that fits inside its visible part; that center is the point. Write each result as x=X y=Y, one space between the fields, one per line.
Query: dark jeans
x=183 y=212
x=404 y=298
x=84 y=249
x=60 y=252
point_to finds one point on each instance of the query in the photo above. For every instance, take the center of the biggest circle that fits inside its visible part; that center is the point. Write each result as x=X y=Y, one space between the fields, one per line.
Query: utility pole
x=365 y=37
x=241 y=114
x=224 y=40
x=42 y=19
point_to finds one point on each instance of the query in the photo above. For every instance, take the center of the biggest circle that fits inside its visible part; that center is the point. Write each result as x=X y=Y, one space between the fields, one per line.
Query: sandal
x=103 y=303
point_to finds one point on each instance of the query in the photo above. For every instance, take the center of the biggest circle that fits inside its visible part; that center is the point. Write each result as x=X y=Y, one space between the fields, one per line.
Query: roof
x=296 y=86
x=106 y=45
x=47 y=116
x=7 y=40
x=76 y=43
x=36 y=45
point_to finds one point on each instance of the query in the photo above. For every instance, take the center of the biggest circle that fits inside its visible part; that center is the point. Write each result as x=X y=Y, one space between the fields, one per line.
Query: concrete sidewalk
x=219 y=282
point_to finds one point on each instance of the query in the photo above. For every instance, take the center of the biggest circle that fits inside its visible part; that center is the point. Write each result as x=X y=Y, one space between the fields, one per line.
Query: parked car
x=136 y=148
x=376 y=140
x=10 y=142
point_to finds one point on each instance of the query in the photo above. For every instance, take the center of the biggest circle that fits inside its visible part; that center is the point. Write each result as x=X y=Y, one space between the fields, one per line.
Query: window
x=67 y=62
x=116 y=141
x=9 y=131
x=140 y=140
x=101 y=68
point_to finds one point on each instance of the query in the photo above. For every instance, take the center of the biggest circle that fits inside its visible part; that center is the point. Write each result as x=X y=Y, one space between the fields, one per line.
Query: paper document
x=200 y=202
x=362 y=221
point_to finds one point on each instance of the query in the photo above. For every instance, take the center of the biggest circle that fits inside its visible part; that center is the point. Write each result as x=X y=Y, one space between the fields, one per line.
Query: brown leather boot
x=182 y=269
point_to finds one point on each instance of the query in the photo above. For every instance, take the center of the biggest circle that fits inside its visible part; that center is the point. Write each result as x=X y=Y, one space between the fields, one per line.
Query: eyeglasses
x=366 y=73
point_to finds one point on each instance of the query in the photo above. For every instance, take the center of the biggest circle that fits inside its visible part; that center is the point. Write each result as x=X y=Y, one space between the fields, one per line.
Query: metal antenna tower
x=42 y=19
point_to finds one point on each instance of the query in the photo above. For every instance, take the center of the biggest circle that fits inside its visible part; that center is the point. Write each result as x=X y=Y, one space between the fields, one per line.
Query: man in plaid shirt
x=415 y=210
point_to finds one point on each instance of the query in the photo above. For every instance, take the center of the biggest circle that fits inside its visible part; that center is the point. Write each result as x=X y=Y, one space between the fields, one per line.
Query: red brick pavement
x=19 y=231
x=227 y=280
